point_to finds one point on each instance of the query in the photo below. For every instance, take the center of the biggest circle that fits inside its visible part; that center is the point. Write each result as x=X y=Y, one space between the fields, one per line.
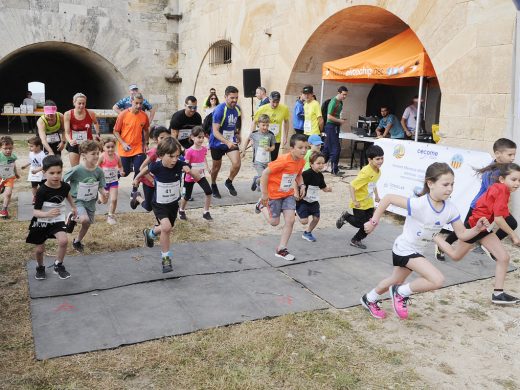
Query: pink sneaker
x=373 y=307
x=399 y=302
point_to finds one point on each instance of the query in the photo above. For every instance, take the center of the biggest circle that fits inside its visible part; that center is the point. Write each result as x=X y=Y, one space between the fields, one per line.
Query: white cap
x=132 y=86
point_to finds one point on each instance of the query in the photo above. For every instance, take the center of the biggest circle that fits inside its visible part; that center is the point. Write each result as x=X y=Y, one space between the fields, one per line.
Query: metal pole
x=418 y=120
x=425 y=99
x=322 y=87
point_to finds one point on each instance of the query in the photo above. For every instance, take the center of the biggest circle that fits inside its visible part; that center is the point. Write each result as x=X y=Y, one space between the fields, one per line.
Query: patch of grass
x=508 y=384
x=476 y=313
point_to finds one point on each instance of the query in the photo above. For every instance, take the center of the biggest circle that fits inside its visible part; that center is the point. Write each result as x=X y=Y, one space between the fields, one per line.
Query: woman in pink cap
x=78 y=126
x=50 y=129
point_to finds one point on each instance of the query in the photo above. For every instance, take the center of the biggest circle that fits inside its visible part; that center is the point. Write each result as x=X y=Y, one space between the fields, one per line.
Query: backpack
x=207 y=124
x=324 y=109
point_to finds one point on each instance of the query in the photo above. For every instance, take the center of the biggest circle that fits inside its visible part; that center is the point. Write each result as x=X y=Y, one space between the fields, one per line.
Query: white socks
x=404 y=290
x=372 y=296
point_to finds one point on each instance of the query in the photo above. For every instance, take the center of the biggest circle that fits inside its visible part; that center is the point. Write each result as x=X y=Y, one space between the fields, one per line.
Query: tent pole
x=418 y=120
x=426 y=99
x=321 y=93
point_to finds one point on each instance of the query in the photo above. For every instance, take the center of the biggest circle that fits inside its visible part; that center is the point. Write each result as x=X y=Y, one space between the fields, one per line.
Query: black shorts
x=54 y=147
x=38 y=233
x=169 y=211
x=478 y=237
x=218 y=153
x=35 y=184
x=402 y=261
x=72 y=149
x=304 y=209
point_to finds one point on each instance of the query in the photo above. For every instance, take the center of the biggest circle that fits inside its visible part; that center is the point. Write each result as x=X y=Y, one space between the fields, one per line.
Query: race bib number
x=262 y=155
x=167 y=192
x=79 y=136
x=53 y=138
x=428 y=232
x=184 y=134
x=313 y=194
x=48 y=206
x=34 y=176
x=110 y=175
x=87 y=191
x=307 y=127
x=287 y=182
x=199 y=167
x=274 y=128
x=6 y=170
x=229 y=135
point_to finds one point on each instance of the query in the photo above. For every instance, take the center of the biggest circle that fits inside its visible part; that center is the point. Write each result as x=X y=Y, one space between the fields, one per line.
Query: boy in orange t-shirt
x=282 y=185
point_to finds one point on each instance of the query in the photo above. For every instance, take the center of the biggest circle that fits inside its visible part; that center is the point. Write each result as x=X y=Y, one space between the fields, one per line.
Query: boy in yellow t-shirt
x=362 y=191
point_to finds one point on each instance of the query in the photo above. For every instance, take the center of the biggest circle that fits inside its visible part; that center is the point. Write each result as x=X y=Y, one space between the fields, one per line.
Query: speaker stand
x=252 y=109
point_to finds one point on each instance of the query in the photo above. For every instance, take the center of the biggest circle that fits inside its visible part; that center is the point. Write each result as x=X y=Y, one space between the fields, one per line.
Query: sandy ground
x=455 y=338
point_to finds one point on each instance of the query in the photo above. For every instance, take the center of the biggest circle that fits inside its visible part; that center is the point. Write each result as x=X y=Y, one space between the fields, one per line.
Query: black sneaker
x=439 y=255
x=40 y=273
x=342 y=220
x=253 y=185
x=258 y=207
x=504 y=299
x=147 y=240
x=207 y=216
x=231 y=189
x=59 y=269
x=70 y=223
x=357 y=244
x=166 y=265
x=216 y=193
x=133 y=199
x=182 y=215
x=78 y=246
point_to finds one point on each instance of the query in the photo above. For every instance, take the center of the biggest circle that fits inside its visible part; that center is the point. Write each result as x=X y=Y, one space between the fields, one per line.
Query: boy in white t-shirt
x=36 y=156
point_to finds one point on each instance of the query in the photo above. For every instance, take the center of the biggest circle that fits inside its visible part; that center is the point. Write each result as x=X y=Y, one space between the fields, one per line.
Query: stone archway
x=65 y=69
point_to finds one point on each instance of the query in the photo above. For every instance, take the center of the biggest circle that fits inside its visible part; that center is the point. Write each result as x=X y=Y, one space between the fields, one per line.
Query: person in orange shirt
x=132 y=132
x=282 y=184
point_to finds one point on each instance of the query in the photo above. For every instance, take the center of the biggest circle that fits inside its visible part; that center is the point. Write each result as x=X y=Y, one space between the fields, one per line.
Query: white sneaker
x=284 y=254
x=111 y=219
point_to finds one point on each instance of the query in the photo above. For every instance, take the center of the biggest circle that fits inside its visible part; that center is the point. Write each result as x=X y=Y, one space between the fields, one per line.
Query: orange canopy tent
x=398 y=61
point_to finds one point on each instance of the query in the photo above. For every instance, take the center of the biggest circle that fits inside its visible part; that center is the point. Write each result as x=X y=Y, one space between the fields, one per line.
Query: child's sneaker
x=484 y=250
x=284 y=254
x=504 y=299
x=4 y=214
x=148 y=241
x=70 y=223
x=439 y=255
x=207 y=216
x=357 y=244
x=399 y=302
x=133 y=199
x=166 y=264
x=258 y=207
x=342 y=220
x=374 y=308
x=40 y=273
x=111 y=219
x=59 y=269
x=182 y=215
x=308 y=236
x=78 y=246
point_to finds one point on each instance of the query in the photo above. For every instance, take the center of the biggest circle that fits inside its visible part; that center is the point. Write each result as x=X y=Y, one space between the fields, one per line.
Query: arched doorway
x=65 y=69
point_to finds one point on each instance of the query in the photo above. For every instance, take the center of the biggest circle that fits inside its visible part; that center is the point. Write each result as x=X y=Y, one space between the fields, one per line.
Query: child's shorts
x=35 y=184
x=169 y=211
x=83 y=211
x=38 y=234
x=276 y=206
x=401 y=261
x=114 y=184
x=478 y=237
x=9 y=182
x=304 y=209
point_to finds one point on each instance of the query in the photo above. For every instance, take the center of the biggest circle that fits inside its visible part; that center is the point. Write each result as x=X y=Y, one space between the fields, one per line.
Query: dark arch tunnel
x=65 y=69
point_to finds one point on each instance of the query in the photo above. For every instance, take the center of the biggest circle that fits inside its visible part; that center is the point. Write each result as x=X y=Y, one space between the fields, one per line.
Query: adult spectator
x=184 y=120
x=298 y=115
x=313 y=123
x=261 y=95
x=389 y=124
x=126 y=102
x=279 y=117
x=132 y=132
x=332 y=147
x=78 y=126
x=29 y=101
x=212 y=103
x=224 y=139
x=409 y=118
x=50 y=129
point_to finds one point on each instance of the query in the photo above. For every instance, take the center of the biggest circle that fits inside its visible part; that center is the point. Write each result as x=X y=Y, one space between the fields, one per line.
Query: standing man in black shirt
x=184 y=120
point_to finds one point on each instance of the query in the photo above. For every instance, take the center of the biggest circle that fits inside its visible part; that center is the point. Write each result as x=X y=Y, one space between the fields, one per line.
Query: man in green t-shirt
x=332 y=147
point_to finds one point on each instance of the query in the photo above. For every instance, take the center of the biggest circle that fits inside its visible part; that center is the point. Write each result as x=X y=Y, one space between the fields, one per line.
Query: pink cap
x=49 y=110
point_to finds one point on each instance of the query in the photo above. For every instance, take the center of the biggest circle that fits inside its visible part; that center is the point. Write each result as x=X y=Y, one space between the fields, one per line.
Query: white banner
x=405 y=165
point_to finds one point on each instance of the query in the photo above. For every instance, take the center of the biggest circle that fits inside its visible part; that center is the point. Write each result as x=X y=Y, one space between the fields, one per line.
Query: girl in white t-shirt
x=36 y=156
x=426 y=216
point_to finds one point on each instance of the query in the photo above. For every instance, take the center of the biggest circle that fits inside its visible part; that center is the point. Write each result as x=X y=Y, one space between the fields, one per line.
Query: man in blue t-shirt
x=126 y=102
x=389 y=124
x=225 y=138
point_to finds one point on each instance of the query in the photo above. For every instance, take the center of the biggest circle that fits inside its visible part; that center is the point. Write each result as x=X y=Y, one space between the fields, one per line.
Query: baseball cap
x=275 y=95
x=315 y=139
x=308 y=89
x=132 y=86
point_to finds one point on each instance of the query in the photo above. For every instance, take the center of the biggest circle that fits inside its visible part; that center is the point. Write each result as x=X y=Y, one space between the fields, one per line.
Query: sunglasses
x=193 y=108
x=213 y=99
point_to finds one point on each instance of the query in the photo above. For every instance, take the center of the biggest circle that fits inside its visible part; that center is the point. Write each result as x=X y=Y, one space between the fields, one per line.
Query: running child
x=36 y=156
x=167 y=172
x=86 y=180
x=493 y=205
x=112 y=168
x=505 y=151
x=315 y=143
x=158 y=133
x=264 y=143
x=310 y=206
x=282 y=184
x=196 y=157
x=8 y=172
x=427 y=214
x=48 y=220
x=362 y=191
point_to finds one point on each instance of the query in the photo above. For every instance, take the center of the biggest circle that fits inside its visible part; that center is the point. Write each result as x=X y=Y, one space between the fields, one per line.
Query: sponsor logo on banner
x=456 y=161
x=399 y=151
x=426 y=153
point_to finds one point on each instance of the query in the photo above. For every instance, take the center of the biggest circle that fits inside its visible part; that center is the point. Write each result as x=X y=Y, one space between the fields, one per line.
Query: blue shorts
x=114 y=184
x=304 y=209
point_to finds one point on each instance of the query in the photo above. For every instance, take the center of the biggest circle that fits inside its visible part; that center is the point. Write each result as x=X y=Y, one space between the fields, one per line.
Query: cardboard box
x=23 y=109
x=8 y=109
x=16 y=110
x=30 y=109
